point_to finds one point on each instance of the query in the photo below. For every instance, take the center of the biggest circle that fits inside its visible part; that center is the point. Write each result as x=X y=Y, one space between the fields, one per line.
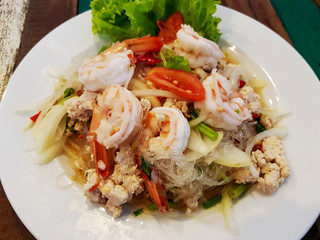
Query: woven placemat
x=12 y=17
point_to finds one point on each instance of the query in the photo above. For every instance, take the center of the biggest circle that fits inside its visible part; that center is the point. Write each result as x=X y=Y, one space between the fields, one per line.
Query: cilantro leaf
x=176 y=62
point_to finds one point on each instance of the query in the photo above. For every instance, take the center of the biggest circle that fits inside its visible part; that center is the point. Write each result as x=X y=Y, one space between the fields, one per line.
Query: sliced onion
x=227 y=210
x=52 y=152
x=136 y=84
x=280 y=132
x=197 y=120
x=156 y=92
x=230 y=156
x=51 y=127
x=199 y=145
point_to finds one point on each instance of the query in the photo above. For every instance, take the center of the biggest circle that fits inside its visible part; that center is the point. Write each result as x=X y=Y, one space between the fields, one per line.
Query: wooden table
x=41 y=16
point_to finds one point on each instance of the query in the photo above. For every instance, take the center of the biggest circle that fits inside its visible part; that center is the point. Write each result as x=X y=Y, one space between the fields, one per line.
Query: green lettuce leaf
x=198 y=14
x=122 y=19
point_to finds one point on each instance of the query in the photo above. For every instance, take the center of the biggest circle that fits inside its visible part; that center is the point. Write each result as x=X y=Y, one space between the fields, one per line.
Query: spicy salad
x=169 y=121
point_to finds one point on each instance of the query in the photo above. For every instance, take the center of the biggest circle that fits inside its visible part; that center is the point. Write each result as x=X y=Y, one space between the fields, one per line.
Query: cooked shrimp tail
x=99 y=151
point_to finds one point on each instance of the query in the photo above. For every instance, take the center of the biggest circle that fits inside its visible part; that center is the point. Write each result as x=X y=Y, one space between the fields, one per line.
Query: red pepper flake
x=242 y=83
x=255 y=116
x=80 y=92
x=260 y=146
x=35 y=117
x=80 y=136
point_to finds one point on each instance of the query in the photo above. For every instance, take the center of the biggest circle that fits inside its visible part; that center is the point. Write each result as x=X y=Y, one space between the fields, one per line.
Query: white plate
x=51 y=211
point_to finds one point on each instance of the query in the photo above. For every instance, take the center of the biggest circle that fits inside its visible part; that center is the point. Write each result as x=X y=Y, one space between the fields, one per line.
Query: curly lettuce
x=122 y=19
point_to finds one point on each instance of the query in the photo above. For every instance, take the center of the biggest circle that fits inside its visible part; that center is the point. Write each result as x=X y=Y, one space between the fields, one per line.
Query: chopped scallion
x=203 y=128
x=138 y=212
x=212 y=201
x=153 y=206
x=260 y=128
x=238 y=190
x=146 y=167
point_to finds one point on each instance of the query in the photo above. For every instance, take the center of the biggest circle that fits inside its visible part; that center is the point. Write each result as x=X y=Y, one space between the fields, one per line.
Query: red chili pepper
x=149 y=58
x=95 y=186
x=35 y=117
x=260 y=146
x=80 y=136
x=80 y=92
x=242 y=83
x=255 y=116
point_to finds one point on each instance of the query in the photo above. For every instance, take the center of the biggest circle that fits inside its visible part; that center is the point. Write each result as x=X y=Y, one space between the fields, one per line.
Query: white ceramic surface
x=53 y=208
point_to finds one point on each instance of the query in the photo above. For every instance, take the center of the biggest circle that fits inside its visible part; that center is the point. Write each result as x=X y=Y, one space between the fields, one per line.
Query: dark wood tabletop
x=42 y=16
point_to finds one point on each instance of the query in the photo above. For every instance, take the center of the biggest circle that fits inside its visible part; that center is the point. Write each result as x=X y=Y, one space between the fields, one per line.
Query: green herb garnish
x=153 y=206
x=203 y=128
x=212 y=201
x=238 y=190
x=260 y=128
x=68 y=93
x=146 y=167
x=138 y=212
x=175 y=62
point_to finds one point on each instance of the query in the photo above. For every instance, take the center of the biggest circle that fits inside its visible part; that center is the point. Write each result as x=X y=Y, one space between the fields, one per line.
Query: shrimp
x=98 y=72
x=166 y=131
x=200 y=52
x=223 y=105
x=120 y=116
x=116 y=64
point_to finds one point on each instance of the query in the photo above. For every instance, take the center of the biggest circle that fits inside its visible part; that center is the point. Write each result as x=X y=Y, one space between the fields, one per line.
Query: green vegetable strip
x=146 y=168
x=238 y=190
x=212 y=201
x=204 y=129
x=138 y=212
x=207 y=131
x=260 y=128
x=153 y=206
x=68 y=93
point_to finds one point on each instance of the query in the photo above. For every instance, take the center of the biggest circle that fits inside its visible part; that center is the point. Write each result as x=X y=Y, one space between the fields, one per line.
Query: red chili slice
x=242 y=83
x=35 y=117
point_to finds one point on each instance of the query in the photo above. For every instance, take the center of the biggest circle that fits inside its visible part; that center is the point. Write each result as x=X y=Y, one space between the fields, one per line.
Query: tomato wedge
x=180 y=82
x=168 y=29
x=145 y=44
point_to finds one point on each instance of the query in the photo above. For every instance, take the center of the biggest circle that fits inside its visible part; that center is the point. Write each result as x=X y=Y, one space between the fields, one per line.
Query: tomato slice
x=145 y=44
x=180 y=82
x=168 y=29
